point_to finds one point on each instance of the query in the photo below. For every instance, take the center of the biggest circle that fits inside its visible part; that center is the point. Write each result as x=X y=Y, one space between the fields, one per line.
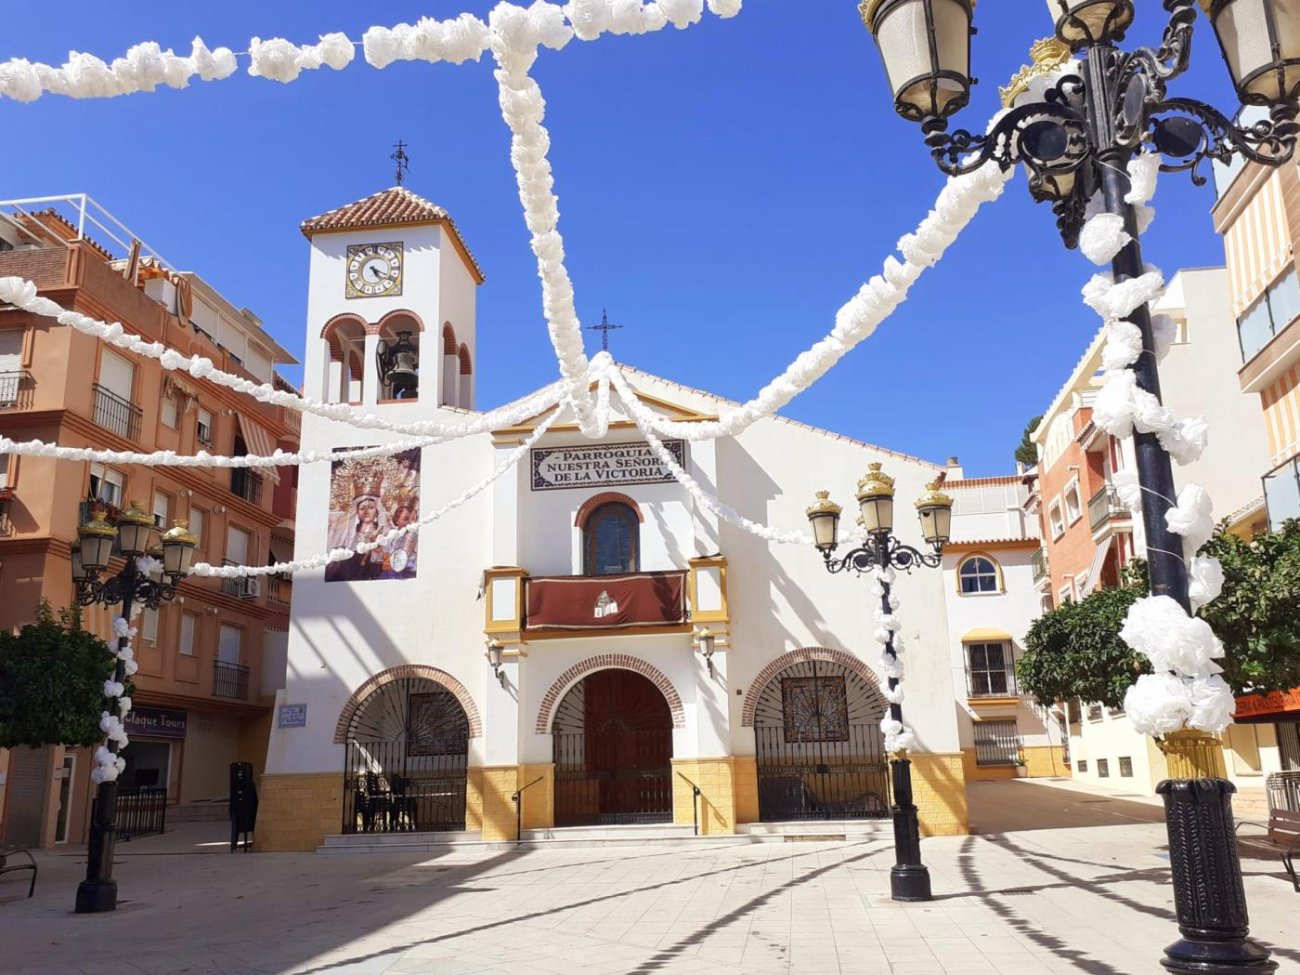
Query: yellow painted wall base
x=538 y=783
x=487 y=801
x=939 y=790
x=744 y=784
x=1045 y=761
x=297 y=812
x=717 y=800
x=975 y=772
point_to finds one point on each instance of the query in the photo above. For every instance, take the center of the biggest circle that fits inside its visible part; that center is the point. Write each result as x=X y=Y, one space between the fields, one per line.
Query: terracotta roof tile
x=396 y=206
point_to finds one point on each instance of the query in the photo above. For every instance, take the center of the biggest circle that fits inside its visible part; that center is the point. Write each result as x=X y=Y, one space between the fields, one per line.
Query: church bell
x=399 y=366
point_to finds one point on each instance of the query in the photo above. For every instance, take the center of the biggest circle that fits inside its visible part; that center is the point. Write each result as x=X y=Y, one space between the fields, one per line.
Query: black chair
x=6 y=853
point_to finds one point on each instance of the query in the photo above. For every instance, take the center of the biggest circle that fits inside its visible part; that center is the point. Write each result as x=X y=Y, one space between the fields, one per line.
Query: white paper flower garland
x=1186 y=690
x=898 y=737
x=108 y=764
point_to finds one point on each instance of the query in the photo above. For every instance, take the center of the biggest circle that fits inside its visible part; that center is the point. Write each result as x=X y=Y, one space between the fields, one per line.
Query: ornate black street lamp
x=909 y=880
x=90 y=557
x=1076 y=143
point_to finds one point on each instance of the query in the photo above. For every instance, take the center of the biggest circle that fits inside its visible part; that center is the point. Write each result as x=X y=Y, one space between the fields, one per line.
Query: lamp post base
x=96 y=896
x=1209 y=896
x=910 y=882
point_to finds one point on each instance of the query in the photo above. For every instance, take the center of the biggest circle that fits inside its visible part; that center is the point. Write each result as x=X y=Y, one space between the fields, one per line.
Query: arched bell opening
x=397 y=357
x=613 y=749
x=405 y=760
x=819 y=749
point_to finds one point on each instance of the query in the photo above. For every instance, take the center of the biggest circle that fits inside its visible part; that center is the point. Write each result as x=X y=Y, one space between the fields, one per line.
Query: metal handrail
x=695 y=801
x=1103 y=505
x=112 y=412
x=519 y=808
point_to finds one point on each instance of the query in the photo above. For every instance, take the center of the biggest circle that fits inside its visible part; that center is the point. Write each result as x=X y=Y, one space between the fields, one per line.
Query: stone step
x=630 y=831
x=199 y=812
x=811 y=831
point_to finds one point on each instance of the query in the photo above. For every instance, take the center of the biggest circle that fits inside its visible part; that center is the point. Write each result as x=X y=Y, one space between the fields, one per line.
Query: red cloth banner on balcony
x=606 y=602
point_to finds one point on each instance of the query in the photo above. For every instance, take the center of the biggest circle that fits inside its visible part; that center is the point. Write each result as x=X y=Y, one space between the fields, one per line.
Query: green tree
x=1027 y=452
x=1074 y=651
x=52 y=677
x=1258 y=614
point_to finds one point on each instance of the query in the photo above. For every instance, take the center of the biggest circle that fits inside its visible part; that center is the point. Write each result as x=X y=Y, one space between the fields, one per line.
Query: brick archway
x=605 y=497
x=378 y=326
x=803 y=655
x=456 y=688
x=618 y=661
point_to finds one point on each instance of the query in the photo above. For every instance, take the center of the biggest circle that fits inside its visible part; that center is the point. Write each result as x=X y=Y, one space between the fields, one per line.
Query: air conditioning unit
x=252 y=587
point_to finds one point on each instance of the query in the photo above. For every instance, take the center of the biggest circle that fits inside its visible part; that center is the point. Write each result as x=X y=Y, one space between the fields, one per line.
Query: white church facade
x=534 y=657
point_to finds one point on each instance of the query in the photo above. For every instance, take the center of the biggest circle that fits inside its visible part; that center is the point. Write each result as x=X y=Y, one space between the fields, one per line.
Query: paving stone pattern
x=1089 y=895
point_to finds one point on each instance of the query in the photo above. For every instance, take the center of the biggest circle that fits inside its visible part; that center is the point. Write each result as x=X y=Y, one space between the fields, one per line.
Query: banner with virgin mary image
x=369 y=498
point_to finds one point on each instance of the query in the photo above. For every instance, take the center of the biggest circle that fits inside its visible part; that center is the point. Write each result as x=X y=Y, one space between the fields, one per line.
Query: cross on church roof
x=402 y=159
x=604 y=328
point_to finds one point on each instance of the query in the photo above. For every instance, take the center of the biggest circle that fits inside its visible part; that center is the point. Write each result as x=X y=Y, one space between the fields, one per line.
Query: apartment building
x=1258 y=213
x=1089 y=536
x=990 y=598
x=211 y=660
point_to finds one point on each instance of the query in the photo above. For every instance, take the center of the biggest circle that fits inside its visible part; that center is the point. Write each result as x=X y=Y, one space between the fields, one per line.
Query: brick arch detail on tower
x=804 y=654
x=378 y=326
x=607 y=661
x=330 y=332
x=441 y=677
x=448 y=339
x=605 y=497
x=466 y=364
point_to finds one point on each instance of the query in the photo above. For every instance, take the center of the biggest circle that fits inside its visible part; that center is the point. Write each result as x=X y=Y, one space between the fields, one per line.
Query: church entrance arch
x=613 y=749
x=819 y=748
x=406 y=755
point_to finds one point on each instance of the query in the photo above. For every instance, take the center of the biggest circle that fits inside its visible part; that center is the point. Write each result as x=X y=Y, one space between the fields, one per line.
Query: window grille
x=997 y=743
x=990 y=669
x=1103 y=768
x=1083 y=766
x=1126 y=768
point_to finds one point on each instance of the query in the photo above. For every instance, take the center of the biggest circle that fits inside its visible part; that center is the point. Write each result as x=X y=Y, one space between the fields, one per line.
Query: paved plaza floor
x=1056 y=880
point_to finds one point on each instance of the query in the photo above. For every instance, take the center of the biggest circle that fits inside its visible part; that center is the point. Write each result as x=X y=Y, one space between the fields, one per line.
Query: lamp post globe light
x=91 y=554
x=909 y=880
x=1076 y=142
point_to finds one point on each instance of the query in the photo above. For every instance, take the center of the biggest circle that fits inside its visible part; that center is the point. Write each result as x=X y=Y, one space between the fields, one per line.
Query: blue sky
x=722 y=191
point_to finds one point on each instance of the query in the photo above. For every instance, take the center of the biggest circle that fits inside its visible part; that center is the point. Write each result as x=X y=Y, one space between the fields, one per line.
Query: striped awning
x=259 y=444
x=1257 y=244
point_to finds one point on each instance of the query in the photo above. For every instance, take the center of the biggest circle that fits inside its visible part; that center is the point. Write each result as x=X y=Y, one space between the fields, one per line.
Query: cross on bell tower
x=604 y=328
x=402 y=159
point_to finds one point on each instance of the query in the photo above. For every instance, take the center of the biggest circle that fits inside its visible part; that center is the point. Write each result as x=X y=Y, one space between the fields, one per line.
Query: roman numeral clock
x=374 y=270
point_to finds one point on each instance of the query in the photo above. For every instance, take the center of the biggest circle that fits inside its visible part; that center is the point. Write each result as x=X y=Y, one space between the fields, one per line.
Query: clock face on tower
x=374 y=270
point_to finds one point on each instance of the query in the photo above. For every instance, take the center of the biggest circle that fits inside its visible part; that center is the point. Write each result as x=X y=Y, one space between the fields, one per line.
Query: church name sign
x=555 y=468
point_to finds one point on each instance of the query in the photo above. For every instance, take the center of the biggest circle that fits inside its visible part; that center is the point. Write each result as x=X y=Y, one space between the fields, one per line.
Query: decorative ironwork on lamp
x=926 y=48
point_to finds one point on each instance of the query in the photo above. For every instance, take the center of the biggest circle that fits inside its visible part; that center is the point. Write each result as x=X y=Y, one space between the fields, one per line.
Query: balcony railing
x=247 y=484
x=16 y=390
x=1038 y=562
x=229 y=680
x=116 y=414
x=1105 y=505
x=579 y=603
x=279 y=589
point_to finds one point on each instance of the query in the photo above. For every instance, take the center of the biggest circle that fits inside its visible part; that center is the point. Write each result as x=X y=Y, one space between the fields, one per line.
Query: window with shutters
x=107 y=485
x=169 y=413
x=203 y=428
x=162 y=506
x=14 y=380
x=4 y=471
x=189 y=623
x=149 y=628
x=198 y=526
x=229 y=644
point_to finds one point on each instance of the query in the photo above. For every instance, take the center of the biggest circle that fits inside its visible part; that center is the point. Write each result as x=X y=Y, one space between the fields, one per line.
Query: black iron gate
x=819 y=749
x=621 y=778
x=406 y=761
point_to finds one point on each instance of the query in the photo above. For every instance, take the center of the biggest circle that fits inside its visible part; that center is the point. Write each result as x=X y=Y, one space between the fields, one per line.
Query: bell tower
x=391 y=305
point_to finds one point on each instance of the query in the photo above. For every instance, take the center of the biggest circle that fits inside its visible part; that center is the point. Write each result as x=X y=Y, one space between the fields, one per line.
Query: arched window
x=610 y=541
x=978 y=574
